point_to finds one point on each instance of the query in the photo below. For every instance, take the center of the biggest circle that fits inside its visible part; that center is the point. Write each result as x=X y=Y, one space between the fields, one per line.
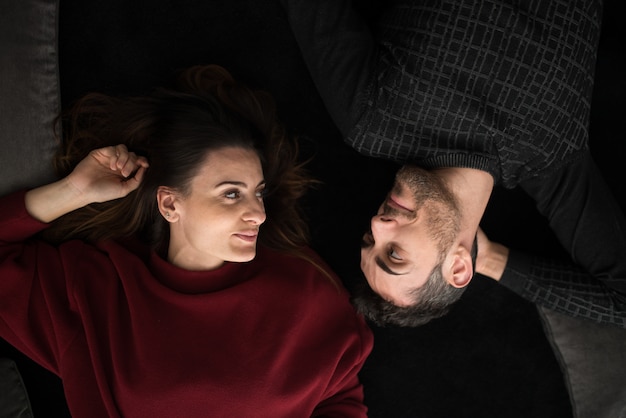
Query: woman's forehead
x=231 y=164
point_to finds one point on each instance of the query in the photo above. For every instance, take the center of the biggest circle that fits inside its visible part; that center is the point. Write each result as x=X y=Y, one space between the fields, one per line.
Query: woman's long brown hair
x=175 y=129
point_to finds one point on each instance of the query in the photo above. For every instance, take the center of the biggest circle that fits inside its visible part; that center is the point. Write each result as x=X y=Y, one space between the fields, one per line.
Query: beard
x=423 y=185
x=431 y=198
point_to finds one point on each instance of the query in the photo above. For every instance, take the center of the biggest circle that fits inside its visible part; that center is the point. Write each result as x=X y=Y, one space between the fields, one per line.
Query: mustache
x=389 y=211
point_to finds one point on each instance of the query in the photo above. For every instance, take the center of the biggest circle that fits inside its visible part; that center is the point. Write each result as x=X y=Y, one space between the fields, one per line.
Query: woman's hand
x=105 y=174
x=108 y=173
x=491 y=258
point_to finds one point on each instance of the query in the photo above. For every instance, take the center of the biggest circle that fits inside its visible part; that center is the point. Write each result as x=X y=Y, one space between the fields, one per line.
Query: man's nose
x=383 y=224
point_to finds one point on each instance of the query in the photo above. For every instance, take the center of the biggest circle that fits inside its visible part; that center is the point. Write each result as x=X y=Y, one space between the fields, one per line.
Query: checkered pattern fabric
x=502 y=86
x=565 y=288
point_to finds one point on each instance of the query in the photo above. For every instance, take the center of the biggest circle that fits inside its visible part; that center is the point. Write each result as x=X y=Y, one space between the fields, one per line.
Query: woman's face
x=219 y=219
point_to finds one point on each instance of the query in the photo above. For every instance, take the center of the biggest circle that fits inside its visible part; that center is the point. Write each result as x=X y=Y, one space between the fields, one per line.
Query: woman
x=150 y=296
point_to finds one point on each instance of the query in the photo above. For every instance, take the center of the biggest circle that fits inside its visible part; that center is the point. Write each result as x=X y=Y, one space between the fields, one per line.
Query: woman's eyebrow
x=237 y=183
x=231 y=183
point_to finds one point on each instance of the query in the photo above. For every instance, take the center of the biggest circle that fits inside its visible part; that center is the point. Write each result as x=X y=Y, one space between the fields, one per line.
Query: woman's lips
x=248 y=237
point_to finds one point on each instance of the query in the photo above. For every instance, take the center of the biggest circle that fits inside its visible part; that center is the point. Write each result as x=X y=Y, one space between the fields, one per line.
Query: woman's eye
x=260 y=194
x=232 y=194
x=393 y=254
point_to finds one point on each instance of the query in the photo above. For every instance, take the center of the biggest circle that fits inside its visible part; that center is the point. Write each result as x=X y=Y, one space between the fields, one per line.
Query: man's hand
x=491 y=258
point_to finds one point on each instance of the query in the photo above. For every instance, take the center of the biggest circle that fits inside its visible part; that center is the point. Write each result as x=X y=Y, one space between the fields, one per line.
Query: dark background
x=489 y=357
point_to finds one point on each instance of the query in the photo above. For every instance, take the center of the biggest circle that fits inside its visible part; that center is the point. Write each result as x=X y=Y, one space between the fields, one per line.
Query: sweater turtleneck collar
x=205 y=281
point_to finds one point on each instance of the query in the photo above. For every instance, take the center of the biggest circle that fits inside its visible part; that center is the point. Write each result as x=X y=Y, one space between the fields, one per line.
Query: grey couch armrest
x=29 y=102
x=14 y=400
x=29 y=91
x=593 y=360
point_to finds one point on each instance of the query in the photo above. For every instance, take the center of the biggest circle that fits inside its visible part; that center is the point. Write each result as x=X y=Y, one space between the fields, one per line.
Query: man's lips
x=393 y=202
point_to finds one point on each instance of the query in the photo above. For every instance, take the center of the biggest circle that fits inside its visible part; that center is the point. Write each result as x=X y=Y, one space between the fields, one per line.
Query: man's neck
x=472 y=189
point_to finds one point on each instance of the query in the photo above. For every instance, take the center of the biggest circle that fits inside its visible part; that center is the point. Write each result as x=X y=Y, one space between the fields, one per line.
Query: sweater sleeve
x=34 y=306
x=345 y=392
x=17 y=225
x=342 y=337
x=591 y=227
x=339 y=51
x=564 y=287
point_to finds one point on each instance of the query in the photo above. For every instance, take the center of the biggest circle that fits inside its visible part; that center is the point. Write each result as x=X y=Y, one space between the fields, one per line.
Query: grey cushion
x=593 y=360
x=29 y=102
x=29 y=91
x=14 y=399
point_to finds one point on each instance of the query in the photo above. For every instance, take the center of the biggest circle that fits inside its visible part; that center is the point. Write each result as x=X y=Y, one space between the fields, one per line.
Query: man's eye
x=393 y=254
x=367 y=240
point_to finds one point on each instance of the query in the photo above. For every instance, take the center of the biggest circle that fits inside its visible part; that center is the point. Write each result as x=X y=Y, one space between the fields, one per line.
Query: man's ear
x=459 y=269
x=168 y=203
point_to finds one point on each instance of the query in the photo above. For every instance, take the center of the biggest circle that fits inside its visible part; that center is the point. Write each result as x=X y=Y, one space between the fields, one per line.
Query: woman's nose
x=255 y=213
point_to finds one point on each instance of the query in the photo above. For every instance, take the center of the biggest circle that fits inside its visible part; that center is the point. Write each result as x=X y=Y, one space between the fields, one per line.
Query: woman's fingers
x=121 y=157
x=136 y=180
x=122 y=160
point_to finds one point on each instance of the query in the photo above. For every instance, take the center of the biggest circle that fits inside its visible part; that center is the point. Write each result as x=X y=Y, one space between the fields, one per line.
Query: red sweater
x=132 y=335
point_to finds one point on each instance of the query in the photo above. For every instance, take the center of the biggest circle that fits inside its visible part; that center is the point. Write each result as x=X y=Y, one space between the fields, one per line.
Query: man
x=469 y=95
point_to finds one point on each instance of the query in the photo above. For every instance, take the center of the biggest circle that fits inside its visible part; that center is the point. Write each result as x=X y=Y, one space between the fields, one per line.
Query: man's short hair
x=432 y=300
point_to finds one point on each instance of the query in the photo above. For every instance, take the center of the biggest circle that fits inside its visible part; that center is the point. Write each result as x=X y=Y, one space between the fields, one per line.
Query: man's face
x=401 y=250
